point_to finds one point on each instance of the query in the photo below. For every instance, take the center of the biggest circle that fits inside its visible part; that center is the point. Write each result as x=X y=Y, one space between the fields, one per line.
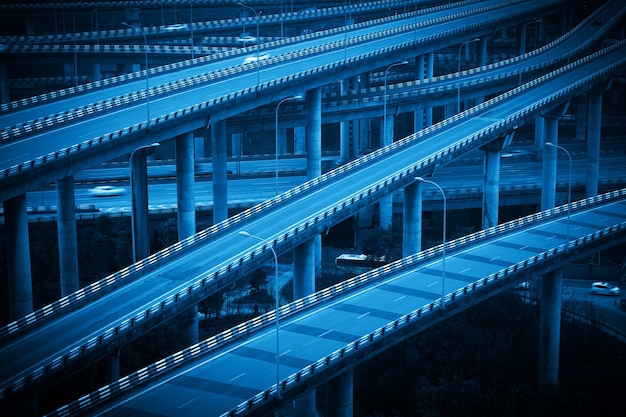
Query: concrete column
x=431 y=65
x=304 y=405
x=66 y=235
x=412 y=227
x=581 y=116
x=344 y=131
x=5 y=92
x=304 y=269
x=550 y=329
x=96 y=72
x=594 y=124
x=282 y=141
x=314 y=132
x=340 y=395
x=18 y=257
x=491 y=184
x=108 y=369
x=220 y=171
x=385 y=205
x=548 y=183
x=185 y=185
x=139 y=190
x=199 y=147
x=482 y=52
x=235 y=141
x=299 y=140
x=539 y=132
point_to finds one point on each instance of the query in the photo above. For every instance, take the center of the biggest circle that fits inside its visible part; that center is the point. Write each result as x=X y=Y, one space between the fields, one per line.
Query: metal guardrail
x=136 y=269
x=70 y=115
x=244 y=329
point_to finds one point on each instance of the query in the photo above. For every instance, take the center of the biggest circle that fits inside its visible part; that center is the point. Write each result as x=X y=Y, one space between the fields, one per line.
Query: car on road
x=254 y=58
x=604 y=288
x=106 y=191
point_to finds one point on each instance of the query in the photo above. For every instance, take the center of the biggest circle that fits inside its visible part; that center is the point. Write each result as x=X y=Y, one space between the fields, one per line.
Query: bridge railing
x=70 y=115
x=136 y=270
x=208 y=345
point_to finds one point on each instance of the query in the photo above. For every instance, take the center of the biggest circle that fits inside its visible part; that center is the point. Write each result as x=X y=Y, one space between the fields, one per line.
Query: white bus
x=355 y=263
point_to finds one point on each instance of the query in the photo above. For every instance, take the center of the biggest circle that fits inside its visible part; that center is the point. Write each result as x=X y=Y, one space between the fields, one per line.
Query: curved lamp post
x=246 y=234
x=443 y=257
x=136 y=197
x=294 y=98
x=385 y=99
x=145 y=49
x=569 y=187
x=458 y=101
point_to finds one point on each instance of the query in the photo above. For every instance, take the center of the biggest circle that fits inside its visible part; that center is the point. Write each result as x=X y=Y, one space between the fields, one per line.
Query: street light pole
x=246 y=234
x=443 y=257
x=257 y=41
x=145 y=49
x=294 y=98
x=133 y=197
x=569 y=188
x=384 y=135
x=458 y=102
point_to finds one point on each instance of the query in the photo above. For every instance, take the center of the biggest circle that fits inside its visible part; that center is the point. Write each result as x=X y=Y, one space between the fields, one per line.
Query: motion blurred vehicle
x=106 y=191
x=254 y=58
x=604 y=288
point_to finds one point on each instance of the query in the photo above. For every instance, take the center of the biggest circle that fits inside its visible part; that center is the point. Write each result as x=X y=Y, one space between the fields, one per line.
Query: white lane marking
x=465 y=270
x=285 y=352
x=400 y=298
x=523 y=247
x=494 y=258
x=362 y=315
x=235 y=377
x=433 y=284
x=325 y=333
x=185 y=404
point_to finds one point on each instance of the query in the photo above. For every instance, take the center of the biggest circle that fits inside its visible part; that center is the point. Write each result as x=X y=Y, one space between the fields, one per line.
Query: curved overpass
x=169 y=281
x=108 y=122
x=234 y=373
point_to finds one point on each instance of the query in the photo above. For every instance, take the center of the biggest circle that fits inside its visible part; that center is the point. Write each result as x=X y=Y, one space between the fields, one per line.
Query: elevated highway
x=235 y=372
x=108 y=122
x=59 y=338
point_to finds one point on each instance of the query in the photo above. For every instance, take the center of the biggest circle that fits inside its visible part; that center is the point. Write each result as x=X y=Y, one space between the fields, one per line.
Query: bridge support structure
x=594 y=124
x=66 y=235
x=139 y=197
x=220 y=171
x=412 y=220
x=548 y=183
x=550 y=330
x=340 y=395
x=313 y=101
x=491 y=179
x=18 y=257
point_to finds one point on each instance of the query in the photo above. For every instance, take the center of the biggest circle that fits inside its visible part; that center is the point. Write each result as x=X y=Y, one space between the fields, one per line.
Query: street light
x=145 y=49
x=135 y=196
x=385 y=99
x=246 y=234
x=569 y=188
x=257 y=40
x=523 y=36
x=294 y=98
x=458 y=102
x=443 y=258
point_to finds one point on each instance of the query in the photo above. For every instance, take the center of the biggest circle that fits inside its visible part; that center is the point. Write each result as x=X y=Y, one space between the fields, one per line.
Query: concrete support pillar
x=491 y=184
x=548 y=184
x=108 y=369
x=344 y=130
x=431 y=65
x=282 y=141
x=299 y=140
x=5 y=92
x=550 y=329
x=185 y=185
x=96 y=72
x=340 y=395
x=412 y=227
x=581 y=116
x=66 y=235
x=314 y=132
x=139 y=191
x=539 y=132
x=385 y=205
x=304 y=405
x=18 y=257
x=594 y=124
x=304 y=269
x=199 y=147
x=220 y=171
x=236 y=146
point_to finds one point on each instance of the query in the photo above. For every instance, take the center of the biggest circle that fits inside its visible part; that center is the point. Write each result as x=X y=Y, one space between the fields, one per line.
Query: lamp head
x=244 y=233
